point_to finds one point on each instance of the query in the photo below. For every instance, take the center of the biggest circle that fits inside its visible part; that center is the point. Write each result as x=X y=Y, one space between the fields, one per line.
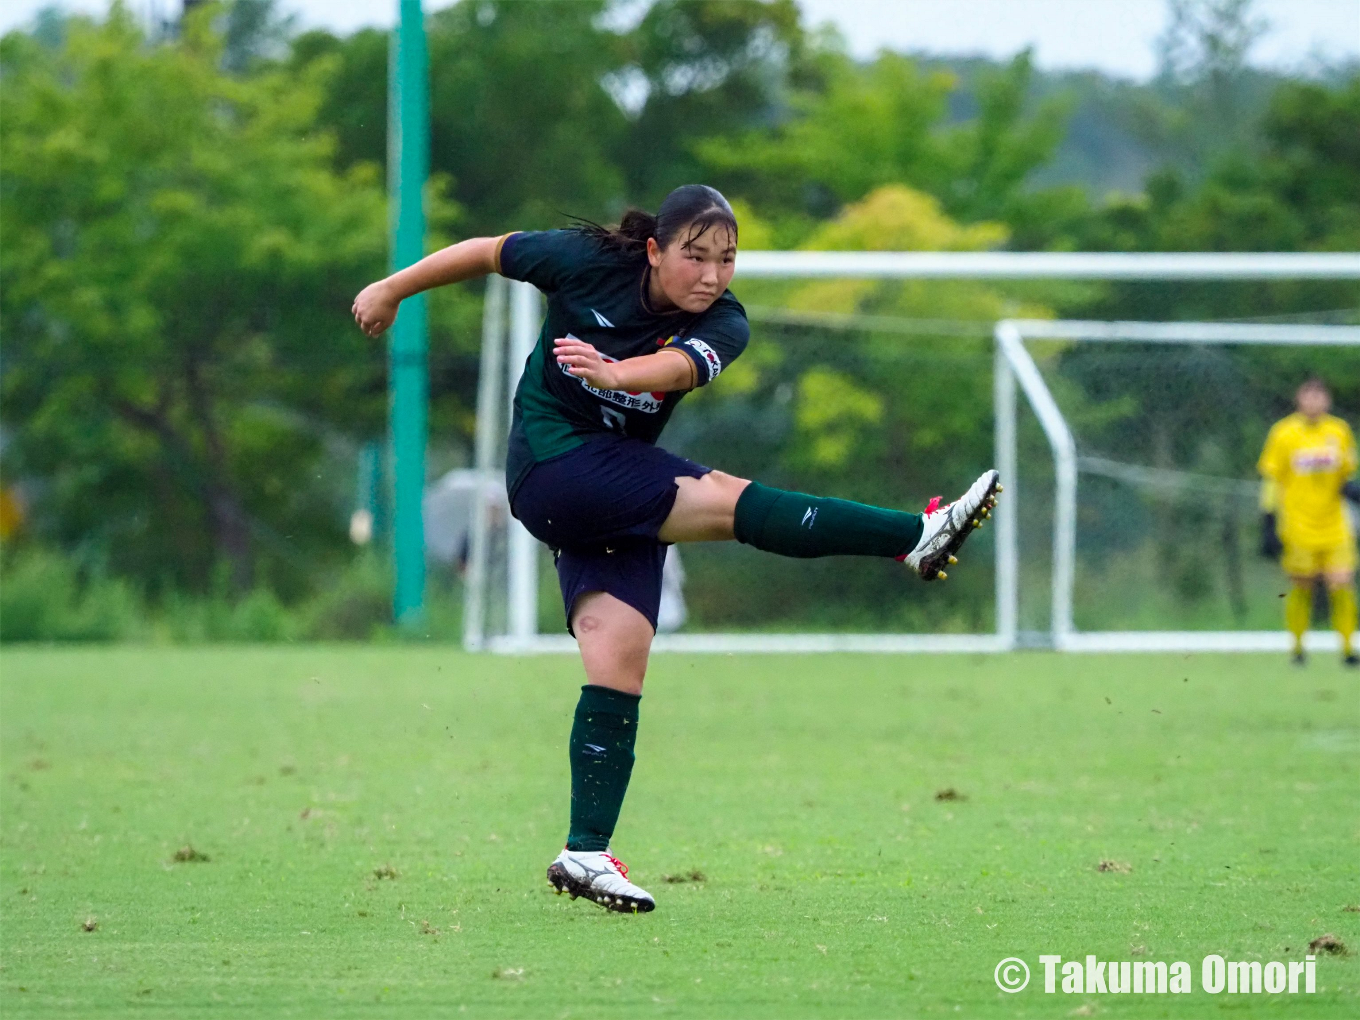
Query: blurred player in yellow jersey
x=1307 y=465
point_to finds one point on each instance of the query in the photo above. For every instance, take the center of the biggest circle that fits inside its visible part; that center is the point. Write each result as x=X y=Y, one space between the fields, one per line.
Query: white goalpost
x=1014 y=364
x=499 y=546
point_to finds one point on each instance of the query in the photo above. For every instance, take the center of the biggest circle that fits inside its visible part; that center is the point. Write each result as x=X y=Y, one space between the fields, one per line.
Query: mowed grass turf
x=375 y=824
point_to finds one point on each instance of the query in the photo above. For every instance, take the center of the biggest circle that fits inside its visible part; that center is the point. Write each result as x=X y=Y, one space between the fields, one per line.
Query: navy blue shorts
x=599 y=508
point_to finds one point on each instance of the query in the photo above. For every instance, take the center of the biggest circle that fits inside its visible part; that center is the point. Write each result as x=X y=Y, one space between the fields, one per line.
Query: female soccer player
x=637 y=317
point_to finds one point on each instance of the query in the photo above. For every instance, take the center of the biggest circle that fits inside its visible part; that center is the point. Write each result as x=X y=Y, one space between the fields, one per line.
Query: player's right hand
x=375 y=309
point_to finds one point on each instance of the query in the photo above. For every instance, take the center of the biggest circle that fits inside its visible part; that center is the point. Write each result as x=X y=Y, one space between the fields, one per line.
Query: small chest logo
x=601 y=319
x=1316 y=460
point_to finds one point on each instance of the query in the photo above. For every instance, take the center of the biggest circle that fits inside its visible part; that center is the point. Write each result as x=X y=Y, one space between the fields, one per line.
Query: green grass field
x=804 y=791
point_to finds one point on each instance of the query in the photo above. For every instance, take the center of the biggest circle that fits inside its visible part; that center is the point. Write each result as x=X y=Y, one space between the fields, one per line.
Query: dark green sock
x=794 y=524
x=601 y=764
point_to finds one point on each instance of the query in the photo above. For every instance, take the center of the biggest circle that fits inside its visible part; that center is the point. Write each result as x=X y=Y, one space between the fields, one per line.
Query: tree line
x=189 y=209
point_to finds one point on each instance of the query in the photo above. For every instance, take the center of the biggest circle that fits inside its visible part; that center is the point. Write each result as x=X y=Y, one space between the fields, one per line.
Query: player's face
x=1314 y=401
x=693 y=276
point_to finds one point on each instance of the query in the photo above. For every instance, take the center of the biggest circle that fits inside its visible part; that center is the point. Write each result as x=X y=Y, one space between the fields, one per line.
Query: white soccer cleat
x=600 y=877
x=946 y=528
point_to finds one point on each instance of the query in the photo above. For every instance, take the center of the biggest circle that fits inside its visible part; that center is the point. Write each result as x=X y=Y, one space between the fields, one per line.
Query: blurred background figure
x=1308 y=461
x=672 y=614
x=448 y=507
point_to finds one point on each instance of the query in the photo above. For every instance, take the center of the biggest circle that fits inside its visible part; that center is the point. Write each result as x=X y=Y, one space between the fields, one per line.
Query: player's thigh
x=614 y=639
x=705 y=509
x=1340 y=578
x=1339 y=565
x=1302 y=563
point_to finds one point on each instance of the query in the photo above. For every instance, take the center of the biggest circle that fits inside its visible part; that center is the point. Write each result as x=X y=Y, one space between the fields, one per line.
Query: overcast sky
x=1115 y=36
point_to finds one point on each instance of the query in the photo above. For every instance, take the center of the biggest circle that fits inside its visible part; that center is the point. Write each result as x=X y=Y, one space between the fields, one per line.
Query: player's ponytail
x=691 y=208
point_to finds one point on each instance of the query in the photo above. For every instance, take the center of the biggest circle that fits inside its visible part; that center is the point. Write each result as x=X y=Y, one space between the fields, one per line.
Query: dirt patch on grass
x=687 y=876
x=1328 y=943
x=386 y=871
x=1121 y=867
x=508 y=973
x=188 y=855
x=89 y=924
x=949 y=793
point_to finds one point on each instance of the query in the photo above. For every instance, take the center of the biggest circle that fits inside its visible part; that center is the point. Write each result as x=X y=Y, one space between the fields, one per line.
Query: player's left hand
x=585 y=362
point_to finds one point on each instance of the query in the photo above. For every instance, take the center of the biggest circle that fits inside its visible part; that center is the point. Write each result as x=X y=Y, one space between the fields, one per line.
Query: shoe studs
x=942 y=576
x=953 y=560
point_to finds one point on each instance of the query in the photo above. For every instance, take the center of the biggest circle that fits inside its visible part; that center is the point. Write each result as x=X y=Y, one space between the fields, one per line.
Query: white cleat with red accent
x=945 y=528
x=601 y=877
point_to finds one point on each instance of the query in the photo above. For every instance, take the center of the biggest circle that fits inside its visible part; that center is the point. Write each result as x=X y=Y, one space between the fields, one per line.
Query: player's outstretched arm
x=375 y=308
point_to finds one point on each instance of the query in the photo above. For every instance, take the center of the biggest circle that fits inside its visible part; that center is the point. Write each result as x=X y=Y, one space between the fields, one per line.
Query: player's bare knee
x=614 y=639
x=622 y=669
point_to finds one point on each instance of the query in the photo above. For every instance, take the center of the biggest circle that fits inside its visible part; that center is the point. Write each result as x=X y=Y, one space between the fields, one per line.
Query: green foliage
x=1300 y=192
x=518 y=117
x=47 y=596
x=1313 y=166
x=856 y=128
x=178 y=260
x=541 y=110
x=218 y=617
x=707 y=68
x=43 y=597
x=354 y=605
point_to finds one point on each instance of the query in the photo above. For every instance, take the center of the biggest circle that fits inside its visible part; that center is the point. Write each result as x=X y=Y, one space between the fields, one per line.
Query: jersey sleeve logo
x=709 y=355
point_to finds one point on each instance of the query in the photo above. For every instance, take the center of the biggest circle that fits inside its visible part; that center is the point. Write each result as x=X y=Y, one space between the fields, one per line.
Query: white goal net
x=1137 y=528
x=1079 y=557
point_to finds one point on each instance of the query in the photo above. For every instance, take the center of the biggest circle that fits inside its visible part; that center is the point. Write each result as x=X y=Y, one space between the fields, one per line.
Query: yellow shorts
x=1305 y=561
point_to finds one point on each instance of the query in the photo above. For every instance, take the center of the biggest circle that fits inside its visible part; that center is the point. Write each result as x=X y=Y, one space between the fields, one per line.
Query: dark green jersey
x=597 y=294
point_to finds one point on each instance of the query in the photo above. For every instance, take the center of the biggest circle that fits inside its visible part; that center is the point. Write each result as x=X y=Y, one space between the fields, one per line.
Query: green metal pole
x=408 y=166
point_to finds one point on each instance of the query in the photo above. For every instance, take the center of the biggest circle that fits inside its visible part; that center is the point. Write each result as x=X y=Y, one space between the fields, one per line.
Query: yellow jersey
x=1309 y=462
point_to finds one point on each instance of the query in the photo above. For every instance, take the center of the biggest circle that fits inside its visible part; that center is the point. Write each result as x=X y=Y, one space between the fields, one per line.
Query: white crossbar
x=1186 y=332
x=1023 y=265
